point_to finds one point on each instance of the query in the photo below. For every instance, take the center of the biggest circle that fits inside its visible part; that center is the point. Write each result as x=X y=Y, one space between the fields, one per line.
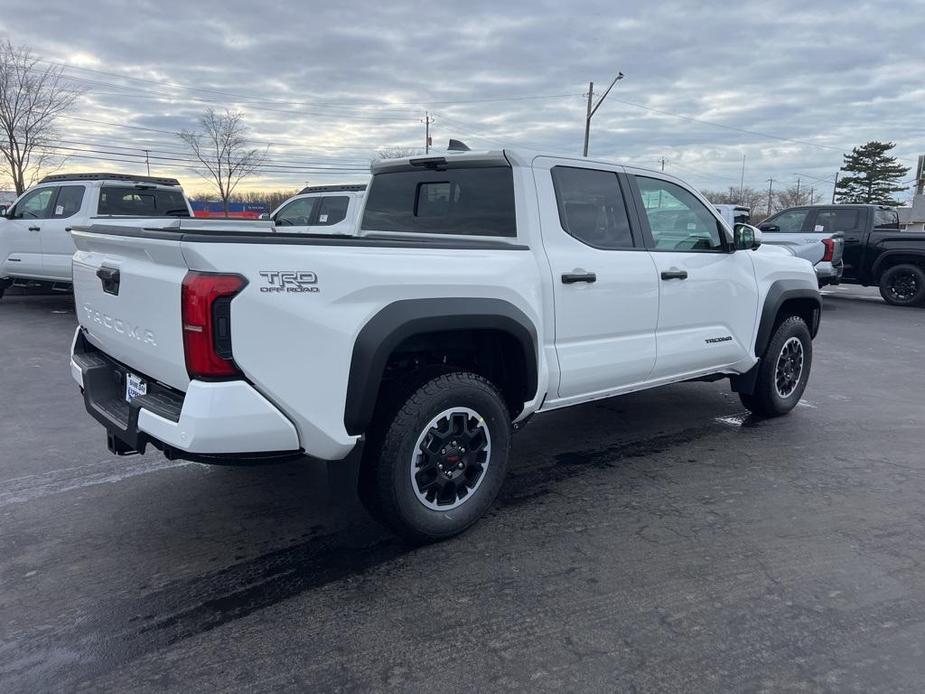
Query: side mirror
x=264 y=216
x=3 y=210
x=746 y=237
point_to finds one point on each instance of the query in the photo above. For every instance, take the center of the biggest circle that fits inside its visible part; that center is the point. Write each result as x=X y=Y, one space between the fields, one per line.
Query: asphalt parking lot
x=659 y=542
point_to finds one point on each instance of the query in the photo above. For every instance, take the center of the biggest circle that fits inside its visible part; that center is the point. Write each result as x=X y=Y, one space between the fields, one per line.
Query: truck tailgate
x=127 y=292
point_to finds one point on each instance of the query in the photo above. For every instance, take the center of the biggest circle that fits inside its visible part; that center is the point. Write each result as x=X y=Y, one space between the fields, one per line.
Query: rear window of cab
x=472 y=201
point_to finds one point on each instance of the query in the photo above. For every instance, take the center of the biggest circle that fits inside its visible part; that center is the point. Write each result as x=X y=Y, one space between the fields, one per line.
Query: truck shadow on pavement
x=256 y=507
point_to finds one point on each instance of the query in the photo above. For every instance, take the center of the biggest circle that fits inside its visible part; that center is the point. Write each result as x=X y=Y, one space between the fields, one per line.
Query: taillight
x=829 y=249
x=206 y=314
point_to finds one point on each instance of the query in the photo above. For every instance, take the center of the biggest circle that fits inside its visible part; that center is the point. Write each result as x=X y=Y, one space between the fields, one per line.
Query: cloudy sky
x=788 y=85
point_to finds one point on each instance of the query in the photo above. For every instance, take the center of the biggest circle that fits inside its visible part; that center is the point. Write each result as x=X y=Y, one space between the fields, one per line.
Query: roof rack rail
x=53 y=178
x=333 y=188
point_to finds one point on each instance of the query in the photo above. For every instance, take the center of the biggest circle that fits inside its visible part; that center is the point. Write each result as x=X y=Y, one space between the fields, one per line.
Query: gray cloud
x=331 y=82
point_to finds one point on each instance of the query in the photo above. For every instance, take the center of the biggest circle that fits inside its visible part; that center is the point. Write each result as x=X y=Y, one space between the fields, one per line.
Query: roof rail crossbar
x=333 y=188
x=55 y=178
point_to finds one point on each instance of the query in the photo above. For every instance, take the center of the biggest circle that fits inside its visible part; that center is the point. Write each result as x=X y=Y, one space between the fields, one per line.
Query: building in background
x=239 y=210
x=912 y=218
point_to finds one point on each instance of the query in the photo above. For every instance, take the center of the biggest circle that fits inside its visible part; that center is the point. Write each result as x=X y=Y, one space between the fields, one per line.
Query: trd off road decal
x=290 y=281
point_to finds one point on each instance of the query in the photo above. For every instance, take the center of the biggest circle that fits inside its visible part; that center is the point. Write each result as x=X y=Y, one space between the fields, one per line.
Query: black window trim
x=643 y=220
x=631 y=218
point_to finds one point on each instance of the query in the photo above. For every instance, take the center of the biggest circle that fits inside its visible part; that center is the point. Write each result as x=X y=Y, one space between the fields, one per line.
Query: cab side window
x=297 y=213
x=677 y=219
x=35 y=205
x=886 y=219
x=333 y=209
x=69 y=201
x=830 y=221
x=591 y=207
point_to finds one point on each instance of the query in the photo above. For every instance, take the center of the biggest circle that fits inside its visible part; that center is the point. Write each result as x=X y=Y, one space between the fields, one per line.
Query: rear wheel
x=440 y=459
x=784 y=370
x=903 y=285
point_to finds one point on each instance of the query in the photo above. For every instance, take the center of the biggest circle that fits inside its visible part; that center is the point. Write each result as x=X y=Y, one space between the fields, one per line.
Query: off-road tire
x=776 y=393
x=388 y=486
x=903 y=285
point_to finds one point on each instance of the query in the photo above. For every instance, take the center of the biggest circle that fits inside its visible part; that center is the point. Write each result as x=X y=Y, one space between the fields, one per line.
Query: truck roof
x=57 y=178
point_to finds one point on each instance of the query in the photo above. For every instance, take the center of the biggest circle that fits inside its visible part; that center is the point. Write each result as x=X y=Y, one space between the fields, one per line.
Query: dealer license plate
x=134 y=386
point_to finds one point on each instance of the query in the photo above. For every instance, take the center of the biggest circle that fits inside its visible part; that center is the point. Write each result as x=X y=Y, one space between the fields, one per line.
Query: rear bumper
x=827 y=273
x=223 y=421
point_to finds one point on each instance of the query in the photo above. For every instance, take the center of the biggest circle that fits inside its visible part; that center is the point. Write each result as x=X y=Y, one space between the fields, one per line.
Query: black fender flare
x=408 y=317
x=877 y=270
x=779 y=292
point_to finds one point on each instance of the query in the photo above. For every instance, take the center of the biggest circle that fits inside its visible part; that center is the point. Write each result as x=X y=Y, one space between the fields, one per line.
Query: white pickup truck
x=330 y=209
x=480 y=289
x=35 y=246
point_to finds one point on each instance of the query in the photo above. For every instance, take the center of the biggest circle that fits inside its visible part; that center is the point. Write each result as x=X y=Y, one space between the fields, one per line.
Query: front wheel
x=784 y=370
x=903 y=285
x=441 y=458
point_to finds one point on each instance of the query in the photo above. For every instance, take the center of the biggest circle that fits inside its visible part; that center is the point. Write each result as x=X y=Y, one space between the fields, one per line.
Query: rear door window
x=476 y=201
x=69 y=200
x=142 y=202
x=830 y=221
x=886 y=219
x=591 y=207
x=333 y=209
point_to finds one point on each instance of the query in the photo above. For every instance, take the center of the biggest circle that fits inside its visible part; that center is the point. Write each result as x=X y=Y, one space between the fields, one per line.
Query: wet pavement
x=661 y=542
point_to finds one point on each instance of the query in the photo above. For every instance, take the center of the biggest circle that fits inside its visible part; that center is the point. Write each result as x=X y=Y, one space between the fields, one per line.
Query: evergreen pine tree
x=870 y=175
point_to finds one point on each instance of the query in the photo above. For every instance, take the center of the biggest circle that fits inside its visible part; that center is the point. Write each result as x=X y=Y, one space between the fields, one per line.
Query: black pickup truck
x=876 y=252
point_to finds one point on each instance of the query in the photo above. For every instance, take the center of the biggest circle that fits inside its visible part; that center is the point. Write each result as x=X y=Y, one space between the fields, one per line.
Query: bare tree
x=747 y=197
x=221 y=144
x=793 y=196
x=31 y=99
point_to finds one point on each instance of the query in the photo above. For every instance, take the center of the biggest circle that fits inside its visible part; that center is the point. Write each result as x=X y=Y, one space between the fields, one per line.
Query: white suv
x=331 y=209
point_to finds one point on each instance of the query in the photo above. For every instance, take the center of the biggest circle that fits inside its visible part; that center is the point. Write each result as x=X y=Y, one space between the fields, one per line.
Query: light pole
x=593 y=109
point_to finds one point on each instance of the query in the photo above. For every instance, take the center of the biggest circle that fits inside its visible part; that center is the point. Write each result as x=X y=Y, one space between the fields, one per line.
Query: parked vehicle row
x=863 y=245
x=479 y=288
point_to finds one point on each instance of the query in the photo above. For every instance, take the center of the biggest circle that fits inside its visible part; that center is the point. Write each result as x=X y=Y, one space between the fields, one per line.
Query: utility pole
x=593 y=109
x=147 y=163
x=770 y=194
x=812 y=195
x=427 y=121
x=742 y=181
x=834 y=187
x=663 y=163
x=798 y=190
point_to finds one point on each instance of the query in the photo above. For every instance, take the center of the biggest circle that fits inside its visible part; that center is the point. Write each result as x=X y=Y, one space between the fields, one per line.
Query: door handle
x=852 y=238
x=674 y=275
x=578 y=276
x=35 y=228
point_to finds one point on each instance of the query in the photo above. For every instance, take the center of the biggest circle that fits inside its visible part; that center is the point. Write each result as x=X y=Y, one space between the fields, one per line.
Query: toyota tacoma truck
x=35 y=246
x=480 y=289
